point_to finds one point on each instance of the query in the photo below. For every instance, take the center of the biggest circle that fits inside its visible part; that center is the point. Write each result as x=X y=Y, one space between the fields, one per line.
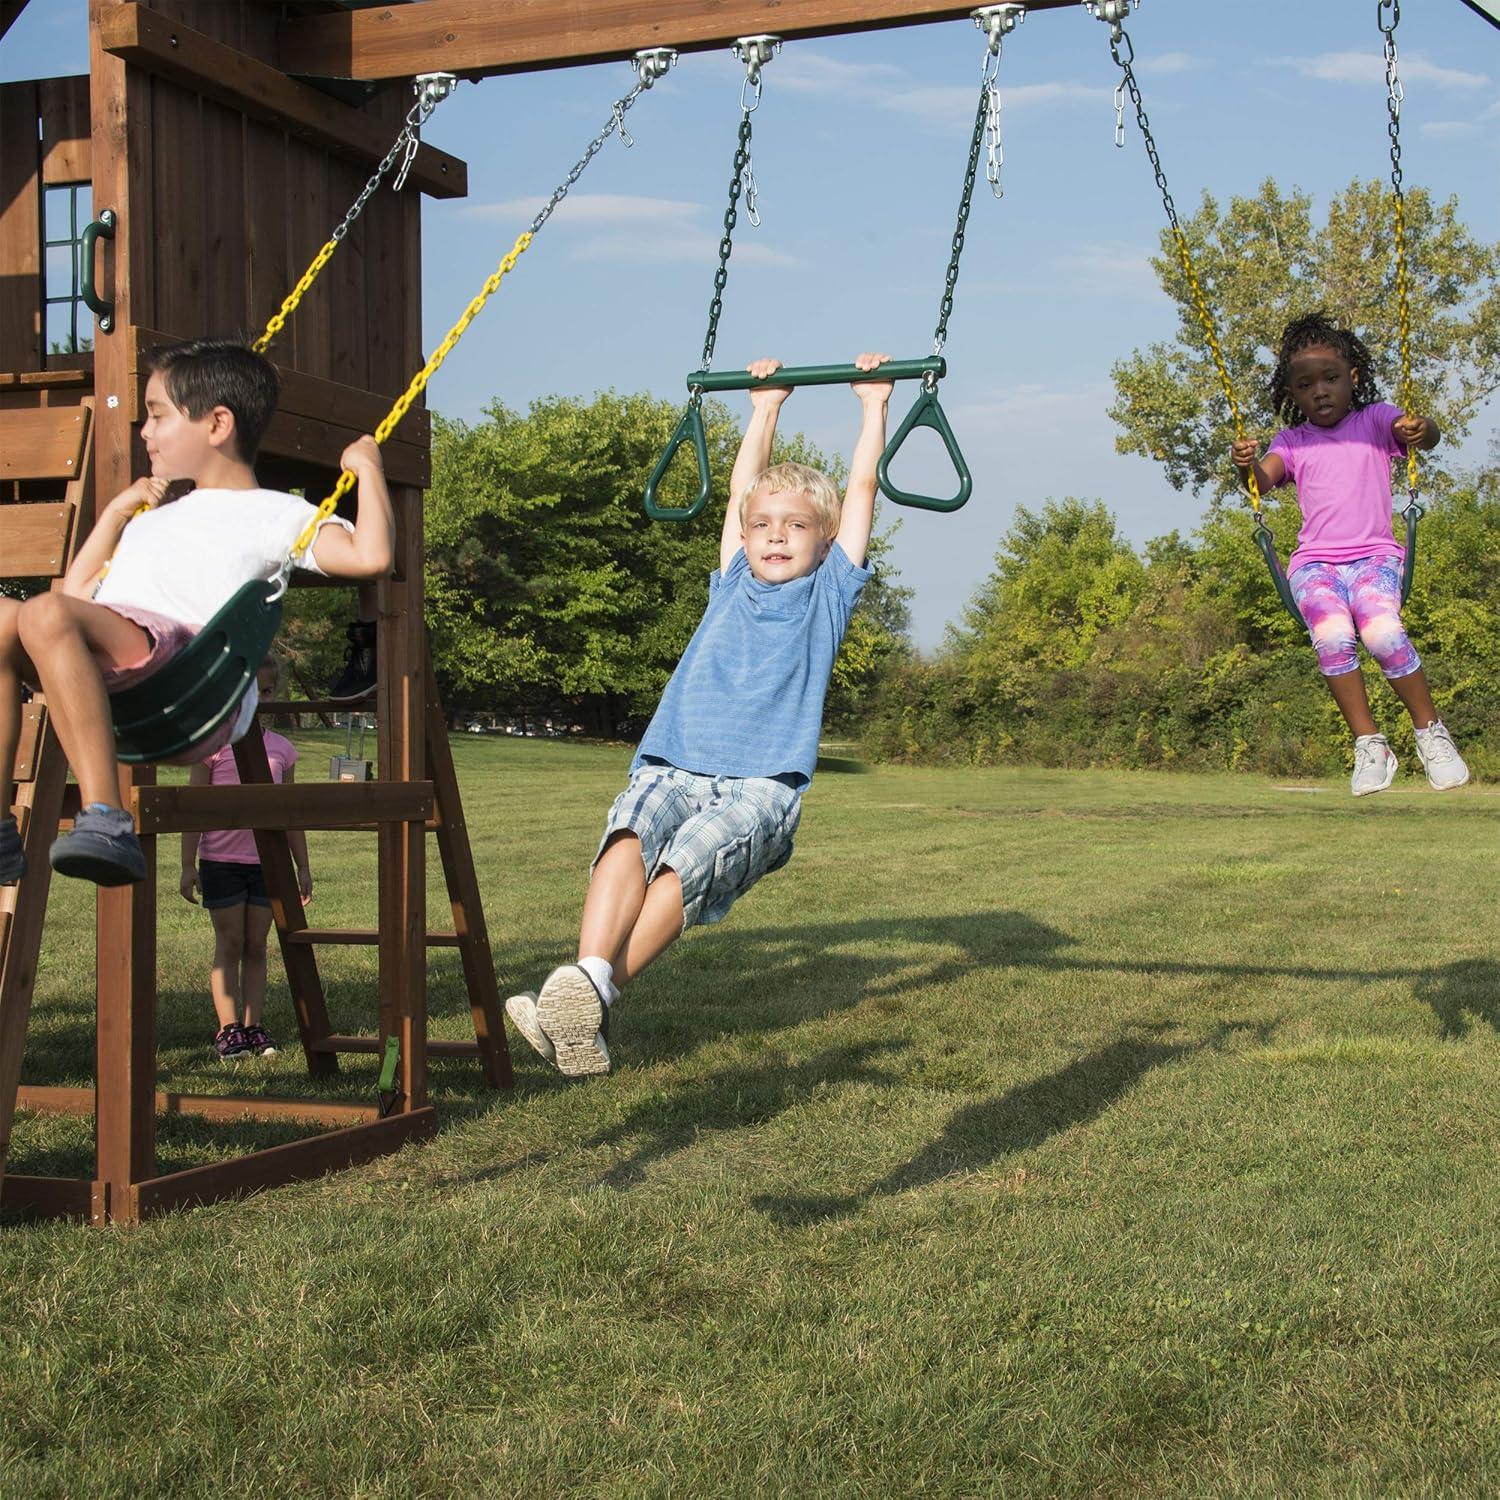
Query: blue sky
x=859 y=151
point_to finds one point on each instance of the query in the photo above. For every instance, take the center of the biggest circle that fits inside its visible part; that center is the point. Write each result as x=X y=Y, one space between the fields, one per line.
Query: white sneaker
x=1374 y=765
x=1440 y=758
x=522 y=1012
x=575 y=1020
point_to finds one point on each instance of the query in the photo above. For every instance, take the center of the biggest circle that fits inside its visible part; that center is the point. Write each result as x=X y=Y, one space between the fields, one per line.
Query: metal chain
x=432 y=89
x=741 y=180
x=976 y=143
x=989 y=72
x=1123 y=52
x=1395 y=95
x=346 y=480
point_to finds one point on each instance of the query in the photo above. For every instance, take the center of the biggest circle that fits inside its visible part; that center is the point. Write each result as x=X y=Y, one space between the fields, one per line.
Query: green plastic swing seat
x=177 y=708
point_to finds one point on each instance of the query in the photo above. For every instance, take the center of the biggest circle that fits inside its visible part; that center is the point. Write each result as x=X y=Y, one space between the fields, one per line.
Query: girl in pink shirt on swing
x=1345 y=573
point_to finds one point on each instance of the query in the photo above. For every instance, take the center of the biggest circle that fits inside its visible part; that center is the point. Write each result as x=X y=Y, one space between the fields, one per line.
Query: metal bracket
x=432 y=88
x=998 y=21
x=756 y=51
x=652 y=63
x=1113 y=12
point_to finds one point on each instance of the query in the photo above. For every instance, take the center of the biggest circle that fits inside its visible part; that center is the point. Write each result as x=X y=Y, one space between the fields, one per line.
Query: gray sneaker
x=1439 y=756
x=573 y=1017
x=1374 y=765
x=102 y=847
x=12 y=855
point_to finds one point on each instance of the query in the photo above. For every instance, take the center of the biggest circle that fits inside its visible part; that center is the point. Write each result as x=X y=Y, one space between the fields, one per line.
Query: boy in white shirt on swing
x=141 y=587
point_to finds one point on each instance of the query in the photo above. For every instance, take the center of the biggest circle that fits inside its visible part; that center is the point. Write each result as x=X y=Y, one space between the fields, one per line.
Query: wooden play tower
x=213 y=144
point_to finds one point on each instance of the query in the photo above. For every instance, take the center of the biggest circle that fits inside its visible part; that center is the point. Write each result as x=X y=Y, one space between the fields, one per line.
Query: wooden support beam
x=483 y=37
x=61 y=1100
x=169 y=49
x=47 y=1197
x=295 y=1162
x=334 y=804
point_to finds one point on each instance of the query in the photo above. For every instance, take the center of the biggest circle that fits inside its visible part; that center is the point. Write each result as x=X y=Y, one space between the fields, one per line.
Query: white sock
x=602 y=973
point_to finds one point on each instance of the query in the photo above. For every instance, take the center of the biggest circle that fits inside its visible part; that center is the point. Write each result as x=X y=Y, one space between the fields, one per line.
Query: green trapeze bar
x=794 y=375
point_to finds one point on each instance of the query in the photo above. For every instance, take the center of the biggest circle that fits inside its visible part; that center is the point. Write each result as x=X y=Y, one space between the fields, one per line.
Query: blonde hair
x=819 y=489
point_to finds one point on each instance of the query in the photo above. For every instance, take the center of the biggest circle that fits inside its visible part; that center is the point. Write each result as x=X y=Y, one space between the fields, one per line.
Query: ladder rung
x=367 y=936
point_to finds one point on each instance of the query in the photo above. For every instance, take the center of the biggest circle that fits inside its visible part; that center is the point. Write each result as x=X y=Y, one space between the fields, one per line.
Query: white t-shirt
x=188 y=558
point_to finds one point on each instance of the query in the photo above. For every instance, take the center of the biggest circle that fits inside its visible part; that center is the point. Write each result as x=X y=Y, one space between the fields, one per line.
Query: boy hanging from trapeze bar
x=1345 y=573
x=143 y=585
x=716 y=786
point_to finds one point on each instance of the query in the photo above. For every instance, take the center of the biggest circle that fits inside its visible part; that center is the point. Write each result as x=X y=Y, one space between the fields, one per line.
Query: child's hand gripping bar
x=925 y=412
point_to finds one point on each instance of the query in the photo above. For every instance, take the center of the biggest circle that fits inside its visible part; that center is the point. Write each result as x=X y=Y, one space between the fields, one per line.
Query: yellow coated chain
x=1211 y=337
x=294 y=297
x=347 y=479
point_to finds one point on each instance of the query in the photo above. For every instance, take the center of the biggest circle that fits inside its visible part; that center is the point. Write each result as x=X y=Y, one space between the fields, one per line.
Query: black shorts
x=225 y=883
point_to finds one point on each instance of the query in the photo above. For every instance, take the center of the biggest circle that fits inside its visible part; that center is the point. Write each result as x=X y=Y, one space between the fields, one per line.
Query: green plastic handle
x=102 y=228
x=926 y=411
x=1411 y=514
x=690 y=428
x=1267 y=544
x=934 y=366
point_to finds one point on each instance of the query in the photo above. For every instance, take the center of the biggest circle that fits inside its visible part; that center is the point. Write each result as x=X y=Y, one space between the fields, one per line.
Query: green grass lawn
x=1033 y=1133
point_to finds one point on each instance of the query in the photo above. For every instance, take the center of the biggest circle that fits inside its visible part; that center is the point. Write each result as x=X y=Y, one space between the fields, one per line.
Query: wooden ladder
x=40 y=448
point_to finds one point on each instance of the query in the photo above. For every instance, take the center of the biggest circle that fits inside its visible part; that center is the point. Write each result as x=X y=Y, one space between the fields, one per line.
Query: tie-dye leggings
x=1342 y=602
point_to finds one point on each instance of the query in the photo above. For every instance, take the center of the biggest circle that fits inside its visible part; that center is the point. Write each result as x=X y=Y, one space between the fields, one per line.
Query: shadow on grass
x=1024 y=1117
x=1460 y=991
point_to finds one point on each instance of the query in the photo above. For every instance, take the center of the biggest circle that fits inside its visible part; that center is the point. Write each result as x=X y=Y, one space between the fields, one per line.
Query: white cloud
x=1172 y=62
x=675 y=244
x=1447 y=130
x=1369 y=68
x=588 y=208
x=804 y=72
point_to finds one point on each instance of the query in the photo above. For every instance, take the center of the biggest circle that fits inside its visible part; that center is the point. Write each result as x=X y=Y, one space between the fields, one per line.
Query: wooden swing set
x=216 y=140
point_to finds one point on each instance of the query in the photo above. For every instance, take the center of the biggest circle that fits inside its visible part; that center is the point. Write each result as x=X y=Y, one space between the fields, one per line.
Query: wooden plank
x=479 y=38
x=338 y=937
x=55 y=1100
x=333 y=804
x=67 y=146
x=47 y=1197
x=42 y=444
x=35 y=380
x=464 y=897
x=34 y=540
x=157 y=44
x=20 y=230
x=297 y=1161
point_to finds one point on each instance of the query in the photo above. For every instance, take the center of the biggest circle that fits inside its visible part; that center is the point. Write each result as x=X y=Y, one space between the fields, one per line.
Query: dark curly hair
x=1318 y=329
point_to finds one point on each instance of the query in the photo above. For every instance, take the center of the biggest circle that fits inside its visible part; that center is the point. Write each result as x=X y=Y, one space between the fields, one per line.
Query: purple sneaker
x=260 y=1041
x=232 y=1042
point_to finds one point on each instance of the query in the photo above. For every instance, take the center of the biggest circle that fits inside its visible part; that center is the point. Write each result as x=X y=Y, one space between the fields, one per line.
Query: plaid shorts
x=719 y=834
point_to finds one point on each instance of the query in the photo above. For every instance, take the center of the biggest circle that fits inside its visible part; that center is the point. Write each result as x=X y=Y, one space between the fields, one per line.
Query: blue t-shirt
x=747 y=696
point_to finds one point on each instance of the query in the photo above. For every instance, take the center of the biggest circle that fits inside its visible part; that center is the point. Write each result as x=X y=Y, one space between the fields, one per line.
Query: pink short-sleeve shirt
x=1343 y=479
x=236 y=846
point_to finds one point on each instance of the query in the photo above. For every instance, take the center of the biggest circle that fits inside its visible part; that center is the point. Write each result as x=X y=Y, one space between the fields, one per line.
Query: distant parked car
x=475 y=727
